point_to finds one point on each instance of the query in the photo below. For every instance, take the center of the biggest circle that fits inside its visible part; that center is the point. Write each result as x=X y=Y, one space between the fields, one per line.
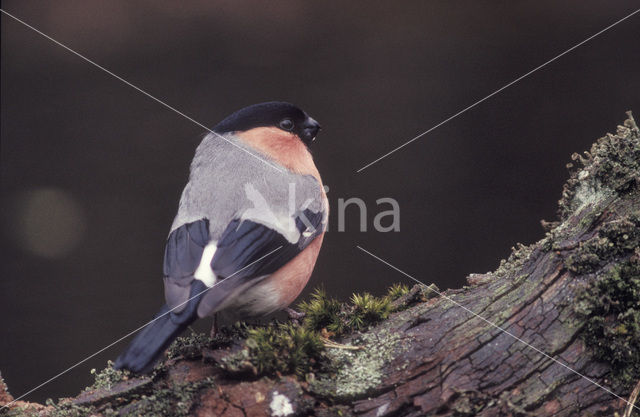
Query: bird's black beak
x=310 y=130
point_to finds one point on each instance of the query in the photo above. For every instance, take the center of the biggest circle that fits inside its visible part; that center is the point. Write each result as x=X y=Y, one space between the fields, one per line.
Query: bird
x=248 y=229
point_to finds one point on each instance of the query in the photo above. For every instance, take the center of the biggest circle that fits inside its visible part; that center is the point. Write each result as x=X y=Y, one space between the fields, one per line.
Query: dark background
x=92 y=170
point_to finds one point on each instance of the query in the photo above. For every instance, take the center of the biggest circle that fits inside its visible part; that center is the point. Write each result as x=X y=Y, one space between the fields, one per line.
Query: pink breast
x=290 y=280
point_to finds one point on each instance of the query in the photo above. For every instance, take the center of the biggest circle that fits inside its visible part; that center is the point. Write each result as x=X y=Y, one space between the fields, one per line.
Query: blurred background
x=92 y=170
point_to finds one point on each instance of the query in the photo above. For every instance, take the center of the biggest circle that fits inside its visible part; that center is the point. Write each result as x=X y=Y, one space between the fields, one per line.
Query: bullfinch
x=248 y=230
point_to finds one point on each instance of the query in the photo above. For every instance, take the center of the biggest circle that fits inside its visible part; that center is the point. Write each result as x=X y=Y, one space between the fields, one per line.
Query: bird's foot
x=334 y=345
x=214 y=327
x=295 y=316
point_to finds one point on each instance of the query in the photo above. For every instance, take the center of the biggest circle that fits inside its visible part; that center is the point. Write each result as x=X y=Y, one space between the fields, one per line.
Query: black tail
x=147 y=347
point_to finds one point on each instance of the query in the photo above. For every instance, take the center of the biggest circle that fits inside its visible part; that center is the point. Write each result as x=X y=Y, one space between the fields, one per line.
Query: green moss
x=582 y=263
x=397 y=290
x=71 y=410
x=367 y=310
x=613 y=239
x=292 y=349
x=108 y=377
x=20 y=412
x=611 y=308
x=284 y=348
x=189 y=347
x=169 y=400
x=322 y=312
x=618 y=159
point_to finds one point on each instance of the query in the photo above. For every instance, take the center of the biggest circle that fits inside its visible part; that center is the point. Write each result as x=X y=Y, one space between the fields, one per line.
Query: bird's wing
x=246 y=250
x=182 y=255
x=249 y=249
x=184 y=249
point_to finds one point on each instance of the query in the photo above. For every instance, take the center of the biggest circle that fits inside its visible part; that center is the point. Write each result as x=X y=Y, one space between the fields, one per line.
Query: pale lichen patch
x=358 y=372
x=280 y=405
x=611 y=166
x=590 y=194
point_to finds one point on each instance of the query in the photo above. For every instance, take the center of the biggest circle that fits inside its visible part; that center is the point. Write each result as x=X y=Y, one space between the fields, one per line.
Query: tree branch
x=574 y=296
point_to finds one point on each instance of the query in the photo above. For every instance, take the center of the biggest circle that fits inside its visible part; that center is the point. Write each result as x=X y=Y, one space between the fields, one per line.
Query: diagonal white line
x=496 y=326
x=139 y=89
x=497 y=91
x=133 y=331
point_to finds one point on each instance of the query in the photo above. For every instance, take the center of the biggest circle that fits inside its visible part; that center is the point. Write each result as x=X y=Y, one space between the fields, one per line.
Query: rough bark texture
x=571 y=295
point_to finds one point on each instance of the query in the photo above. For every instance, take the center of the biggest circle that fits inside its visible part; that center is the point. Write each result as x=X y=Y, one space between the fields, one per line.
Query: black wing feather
x=184 y=249
x=245 y=242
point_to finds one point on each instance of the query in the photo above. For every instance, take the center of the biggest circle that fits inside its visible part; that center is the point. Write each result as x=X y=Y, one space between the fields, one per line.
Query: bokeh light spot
x=48 y=222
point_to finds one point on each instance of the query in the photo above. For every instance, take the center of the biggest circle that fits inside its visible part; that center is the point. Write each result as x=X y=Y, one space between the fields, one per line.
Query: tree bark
x=525 y=350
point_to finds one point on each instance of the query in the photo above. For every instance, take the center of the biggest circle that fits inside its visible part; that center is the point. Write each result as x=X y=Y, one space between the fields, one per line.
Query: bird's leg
x=294 y=315
x=214 y=326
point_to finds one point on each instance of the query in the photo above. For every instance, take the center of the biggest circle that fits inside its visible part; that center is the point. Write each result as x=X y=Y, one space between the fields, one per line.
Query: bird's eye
x=286 y=124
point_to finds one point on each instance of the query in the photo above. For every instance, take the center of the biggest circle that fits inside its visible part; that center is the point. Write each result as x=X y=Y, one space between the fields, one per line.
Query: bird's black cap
x=282 y=115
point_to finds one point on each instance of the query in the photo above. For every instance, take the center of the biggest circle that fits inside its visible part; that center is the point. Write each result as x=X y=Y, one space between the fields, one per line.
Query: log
x=555 y=330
